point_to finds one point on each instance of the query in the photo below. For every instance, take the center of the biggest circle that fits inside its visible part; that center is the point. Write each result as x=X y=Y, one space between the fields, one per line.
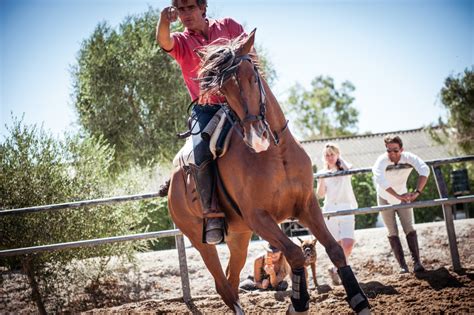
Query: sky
x=396 y=53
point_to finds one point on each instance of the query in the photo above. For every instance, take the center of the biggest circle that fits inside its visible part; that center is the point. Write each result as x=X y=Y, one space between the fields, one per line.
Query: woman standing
x=338 y=195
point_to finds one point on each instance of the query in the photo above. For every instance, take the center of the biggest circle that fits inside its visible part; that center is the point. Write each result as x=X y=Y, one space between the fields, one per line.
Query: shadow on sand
x=439 y=279
x=374 y=288
x=193 y=308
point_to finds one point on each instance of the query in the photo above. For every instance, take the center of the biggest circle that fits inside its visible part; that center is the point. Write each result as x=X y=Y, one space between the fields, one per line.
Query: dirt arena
x=155 y=287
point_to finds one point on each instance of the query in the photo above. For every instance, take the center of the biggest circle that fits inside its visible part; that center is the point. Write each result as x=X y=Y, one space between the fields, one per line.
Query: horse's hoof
x=238 y=309
x=291 y=310
x=364 y=311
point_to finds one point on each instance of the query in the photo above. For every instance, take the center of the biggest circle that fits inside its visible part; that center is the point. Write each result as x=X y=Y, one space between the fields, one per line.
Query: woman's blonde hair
x=331 y=148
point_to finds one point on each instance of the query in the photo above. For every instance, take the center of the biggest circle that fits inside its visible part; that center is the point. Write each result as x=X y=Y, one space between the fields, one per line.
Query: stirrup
x=214 y=230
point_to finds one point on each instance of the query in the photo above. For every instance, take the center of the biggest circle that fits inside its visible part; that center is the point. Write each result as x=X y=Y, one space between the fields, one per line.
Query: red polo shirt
x=186 y=42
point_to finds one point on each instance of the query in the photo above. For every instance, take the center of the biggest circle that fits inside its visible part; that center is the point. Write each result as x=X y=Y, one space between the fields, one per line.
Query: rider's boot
x=412 y=241
x=398 y=252
x=214 y=224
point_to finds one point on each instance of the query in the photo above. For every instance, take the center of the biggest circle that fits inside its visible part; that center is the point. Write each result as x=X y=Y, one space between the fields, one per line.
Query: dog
x=309 y=250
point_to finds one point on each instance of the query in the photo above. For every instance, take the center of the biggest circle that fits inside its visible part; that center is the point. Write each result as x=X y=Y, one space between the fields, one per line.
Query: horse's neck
x=275 y=116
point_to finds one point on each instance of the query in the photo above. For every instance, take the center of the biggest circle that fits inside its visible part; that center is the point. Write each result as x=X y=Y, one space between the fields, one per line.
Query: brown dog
x=309 y=250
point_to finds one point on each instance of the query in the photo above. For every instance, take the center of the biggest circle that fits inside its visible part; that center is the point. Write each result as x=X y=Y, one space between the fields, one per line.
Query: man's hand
x=169 y=14
x=413 y=195
x=404 y=197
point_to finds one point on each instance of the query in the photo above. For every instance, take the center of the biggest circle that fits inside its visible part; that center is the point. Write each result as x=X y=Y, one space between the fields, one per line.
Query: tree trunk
x=35 y=293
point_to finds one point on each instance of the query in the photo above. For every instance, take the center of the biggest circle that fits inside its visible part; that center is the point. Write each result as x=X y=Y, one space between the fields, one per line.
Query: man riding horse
x=199 y=31
x=266 y=174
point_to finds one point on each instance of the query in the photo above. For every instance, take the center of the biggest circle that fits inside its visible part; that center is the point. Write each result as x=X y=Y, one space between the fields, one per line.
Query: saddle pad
x=185 y=155
x=218 y=144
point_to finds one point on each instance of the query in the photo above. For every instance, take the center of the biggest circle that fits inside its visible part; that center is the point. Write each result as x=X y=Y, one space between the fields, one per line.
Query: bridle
x=233 y=72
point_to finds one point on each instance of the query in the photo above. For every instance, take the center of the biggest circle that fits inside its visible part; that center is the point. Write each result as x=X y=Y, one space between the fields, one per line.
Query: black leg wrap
x=355 y=296
x=299 y=295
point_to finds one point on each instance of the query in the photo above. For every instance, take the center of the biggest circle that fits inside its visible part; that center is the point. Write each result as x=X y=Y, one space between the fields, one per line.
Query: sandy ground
x=155 y=287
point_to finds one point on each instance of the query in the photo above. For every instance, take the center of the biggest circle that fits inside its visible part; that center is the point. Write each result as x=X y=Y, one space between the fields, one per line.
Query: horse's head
x=228 y=69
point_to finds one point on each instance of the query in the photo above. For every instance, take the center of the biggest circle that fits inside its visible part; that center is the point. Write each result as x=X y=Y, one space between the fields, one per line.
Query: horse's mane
x=218 y=62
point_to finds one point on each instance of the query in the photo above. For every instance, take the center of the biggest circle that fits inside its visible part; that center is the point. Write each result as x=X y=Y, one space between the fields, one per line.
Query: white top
x=397 y=179
x=339 y=194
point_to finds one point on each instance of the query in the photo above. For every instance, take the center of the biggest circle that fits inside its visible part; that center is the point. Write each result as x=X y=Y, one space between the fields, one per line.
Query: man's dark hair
x=393 y=139
x=200 y=3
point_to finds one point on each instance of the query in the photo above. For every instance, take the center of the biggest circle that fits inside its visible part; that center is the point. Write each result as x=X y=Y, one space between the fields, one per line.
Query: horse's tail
x=163 y=192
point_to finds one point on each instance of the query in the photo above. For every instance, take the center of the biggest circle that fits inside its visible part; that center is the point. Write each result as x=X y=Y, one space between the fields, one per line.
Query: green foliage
x=323 y=111
x=268 y=70
x=128 y=91
x=457 y=96
x=157 y=218
x=430 y=192
x=36 y=169
x=366 y=196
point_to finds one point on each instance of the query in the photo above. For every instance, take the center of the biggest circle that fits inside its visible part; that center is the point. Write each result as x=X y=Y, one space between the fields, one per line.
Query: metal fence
x=444 y=201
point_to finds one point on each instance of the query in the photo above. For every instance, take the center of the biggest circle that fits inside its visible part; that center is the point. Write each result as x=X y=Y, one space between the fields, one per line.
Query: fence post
x=183 y=267
x=448 y=218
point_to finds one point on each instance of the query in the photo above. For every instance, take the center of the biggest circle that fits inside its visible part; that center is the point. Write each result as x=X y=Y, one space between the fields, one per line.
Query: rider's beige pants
x=405 y=216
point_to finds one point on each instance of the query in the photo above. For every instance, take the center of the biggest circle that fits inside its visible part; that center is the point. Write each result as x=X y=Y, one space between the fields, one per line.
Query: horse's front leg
x=264 y=225
x=312 y=217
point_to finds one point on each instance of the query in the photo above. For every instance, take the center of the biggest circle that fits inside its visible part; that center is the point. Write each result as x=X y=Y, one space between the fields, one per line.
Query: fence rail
x=79 y=204
x=176 y=232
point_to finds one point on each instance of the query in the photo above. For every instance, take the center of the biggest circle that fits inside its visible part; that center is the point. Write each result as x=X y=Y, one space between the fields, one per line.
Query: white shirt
x=397 y=179
x=339 y=194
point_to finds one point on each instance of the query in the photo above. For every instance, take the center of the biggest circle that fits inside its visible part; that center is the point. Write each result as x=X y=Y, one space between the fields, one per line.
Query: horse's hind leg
x=238 y=245
x=313 y=219
x=264 y=225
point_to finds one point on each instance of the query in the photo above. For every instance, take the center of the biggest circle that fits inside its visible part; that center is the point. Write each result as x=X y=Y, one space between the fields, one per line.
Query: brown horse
x=267 y=178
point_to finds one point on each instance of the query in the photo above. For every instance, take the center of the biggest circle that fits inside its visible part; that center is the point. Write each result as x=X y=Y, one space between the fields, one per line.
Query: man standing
x=392 y=189
x=199 y=32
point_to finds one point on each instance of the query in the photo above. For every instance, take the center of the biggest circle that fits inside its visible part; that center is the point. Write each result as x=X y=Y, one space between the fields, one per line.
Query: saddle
x=214 y=133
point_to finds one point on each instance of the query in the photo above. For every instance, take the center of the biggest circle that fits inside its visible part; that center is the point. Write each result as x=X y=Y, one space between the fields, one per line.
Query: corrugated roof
x=362 y=151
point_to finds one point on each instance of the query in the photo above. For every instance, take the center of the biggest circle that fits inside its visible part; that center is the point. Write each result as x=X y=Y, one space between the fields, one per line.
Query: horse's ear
x=248 y=43
x=299 y=239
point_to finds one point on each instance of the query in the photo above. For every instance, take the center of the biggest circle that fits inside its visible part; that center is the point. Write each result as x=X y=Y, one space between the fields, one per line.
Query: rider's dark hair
x=200 y=3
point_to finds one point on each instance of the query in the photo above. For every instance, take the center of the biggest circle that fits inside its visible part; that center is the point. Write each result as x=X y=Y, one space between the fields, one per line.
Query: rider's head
x=201 y=4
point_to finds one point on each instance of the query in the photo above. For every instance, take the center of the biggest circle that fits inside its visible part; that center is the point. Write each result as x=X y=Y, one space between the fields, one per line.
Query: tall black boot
x=355 y=296
x=398 y=252
x=412 y=240
x=214 y=225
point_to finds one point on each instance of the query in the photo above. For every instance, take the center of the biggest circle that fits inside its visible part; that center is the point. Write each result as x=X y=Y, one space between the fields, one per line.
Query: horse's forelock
x=216 y=59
